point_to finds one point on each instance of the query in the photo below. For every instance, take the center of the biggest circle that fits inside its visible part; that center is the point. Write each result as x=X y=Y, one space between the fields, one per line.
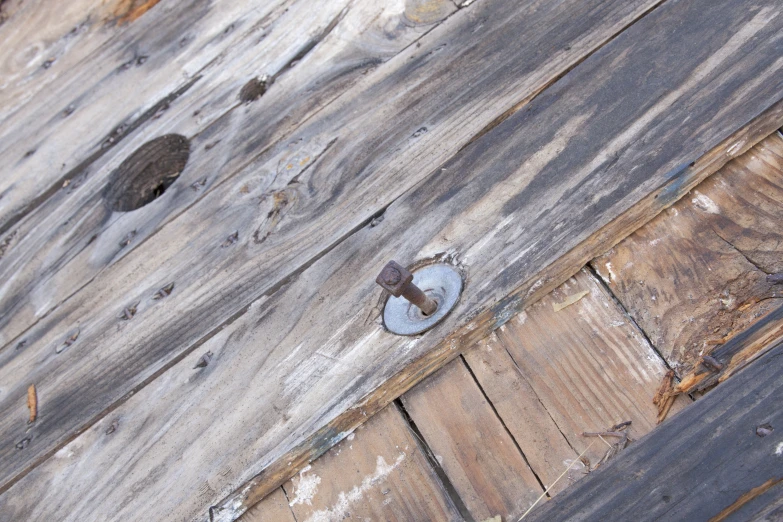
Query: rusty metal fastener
x=398 y=281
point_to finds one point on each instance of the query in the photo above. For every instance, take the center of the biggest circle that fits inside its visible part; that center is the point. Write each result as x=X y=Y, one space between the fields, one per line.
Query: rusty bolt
x=398 y=281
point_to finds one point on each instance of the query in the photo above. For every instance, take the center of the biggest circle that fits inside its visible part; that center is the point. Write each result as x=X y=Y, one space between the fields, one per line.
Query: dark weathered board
x=480 y=458
x=707 y=463
x=521 y=209
x=285 y=218
x=554 y=374
x=698 y=274
x=73 y=235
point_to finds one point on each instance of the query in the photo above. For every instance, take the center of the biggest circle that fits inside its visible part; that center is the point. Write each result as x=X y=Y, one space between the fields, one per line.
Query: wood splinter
x=32 y=403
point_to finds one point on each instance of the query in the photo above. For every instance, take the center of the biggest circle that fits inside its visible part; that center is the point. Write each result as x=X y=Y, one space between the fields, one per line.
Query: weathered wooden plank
x=273 y=508
x=311 y=358
x=74 y=235
x=469 y=441
x=123 y=83
x=42 y=39
x=697 y=275
x=581 y=369
x=284 y=220
x=706 y=463
x=379 y=472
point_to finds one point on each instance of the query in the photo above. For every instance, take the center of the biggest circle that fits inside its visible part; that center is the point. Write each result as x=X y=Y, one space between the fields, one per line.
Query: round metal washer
x=441 y=283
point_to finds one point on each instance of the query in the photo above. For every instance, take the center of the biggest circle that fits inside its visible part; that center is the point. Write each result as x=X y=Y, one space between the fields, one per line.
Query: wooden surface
x=478 y=455
x=696 y=276
x=553 y=375
x=379 y=472
x=171 y=253
x=299 y=366
x=707 y=463
x=273 y=508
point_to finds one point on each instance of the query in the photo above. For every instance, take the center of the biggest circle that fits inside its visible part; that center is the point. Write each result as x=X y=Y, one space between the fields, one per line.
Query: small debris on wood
x=69 y=341
x=198 y=185
x=113 y=427
x=571 y=299
x=32 y=403
x=21 y=344
x=203 y=361
x=764 y=430
x=230 y=240
x=164 y=292
x=711 y=362
x=127 y=239
x=22 y=444
x=129 y=312
x=664 y=397
x=66 y=183
x=617 y=431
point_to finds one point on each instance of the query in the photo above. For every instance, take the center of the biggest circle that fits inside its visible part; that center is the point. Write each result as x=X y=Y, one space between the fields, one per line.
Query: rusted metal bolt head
x=394 y=278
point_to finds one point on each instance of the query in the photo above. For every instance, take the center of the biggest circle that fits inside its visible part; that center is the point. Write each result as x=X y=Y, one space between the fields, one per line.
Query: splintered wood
x=700 y=278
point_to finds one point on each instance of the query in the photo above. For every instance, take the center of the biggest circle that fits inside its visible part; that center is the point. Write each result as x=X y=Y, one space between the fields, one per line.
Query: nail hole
x=146 y=174
x=252 y=90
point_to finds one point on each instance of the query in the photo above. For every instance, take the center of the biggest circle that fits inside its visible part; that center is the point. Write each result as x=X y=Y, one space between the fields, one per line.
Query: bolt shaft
x=414 y=294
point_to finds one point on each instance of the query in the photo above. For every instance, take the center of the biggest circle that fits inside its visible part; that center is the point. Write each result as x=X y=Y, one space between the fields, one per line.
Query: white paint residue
x=345 y=499
x=612 y=277
x=779 y=450
x=306 y=488
x=704 y=203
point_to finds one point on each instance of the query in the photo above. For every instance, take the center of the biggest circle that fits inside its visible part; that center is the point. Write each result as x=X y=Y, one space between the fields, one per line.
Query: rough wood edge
x=486 y=321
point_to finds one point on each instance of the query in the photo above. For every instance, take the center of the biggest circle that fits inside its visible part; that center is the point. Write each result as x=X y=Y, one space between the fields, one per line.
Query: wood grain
x=273 y=508
x=469 y=441
x=124 y=82
x=310 y=359
x=379 y=472
x=696 y=466
x=73 y=236
x=696 y=276
x=285 y=218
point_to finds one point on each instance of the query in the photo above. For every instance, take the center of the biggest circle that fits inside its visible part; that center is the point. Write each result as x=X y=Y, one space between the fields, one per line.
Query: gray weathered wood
x=705 y=464
x=73 y=235
x=286 y=220
x=311 y=359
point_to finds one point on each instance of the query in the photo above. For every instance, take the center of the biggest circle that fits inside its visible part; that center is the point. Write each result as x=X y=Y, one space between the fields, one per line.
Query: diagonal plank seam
x=502 y=422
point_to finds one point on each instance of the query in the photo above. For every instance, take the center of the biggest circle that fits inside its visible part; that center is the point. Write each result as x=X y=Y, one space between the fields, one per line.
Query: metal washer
x=441 y=283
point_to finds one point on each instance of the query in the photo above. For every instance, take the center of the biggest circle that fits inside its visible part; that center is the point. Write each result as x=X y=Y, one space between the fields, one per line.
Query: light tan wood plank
x=310 y=360
x=469 y=441
x=696 y=276
x=284 y=218
x=273 y=508
x=379 y=472
x=587 y=365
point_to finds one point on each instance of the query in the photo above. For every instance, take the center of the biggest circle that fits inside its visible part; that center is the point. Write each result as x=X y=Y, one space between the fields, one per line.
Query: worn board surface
x=379 y=472
x=707 y=463
x=275 y=215
x=553 y=375
x=697 y=275
x=480 y=458
x=296 y=365
x=273 y=508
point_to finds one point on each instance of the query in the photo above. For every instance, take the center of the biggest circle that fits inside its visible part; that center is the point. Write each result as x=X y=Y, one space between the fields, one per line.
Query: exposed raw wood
x=310 y=359
x=285 y=219
x=273 y=508
x=73 y=235
x=379 y=472
x=705 y=464
x=697 y=275
x=479 y=457
x=533 y=428
x=587 y=364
